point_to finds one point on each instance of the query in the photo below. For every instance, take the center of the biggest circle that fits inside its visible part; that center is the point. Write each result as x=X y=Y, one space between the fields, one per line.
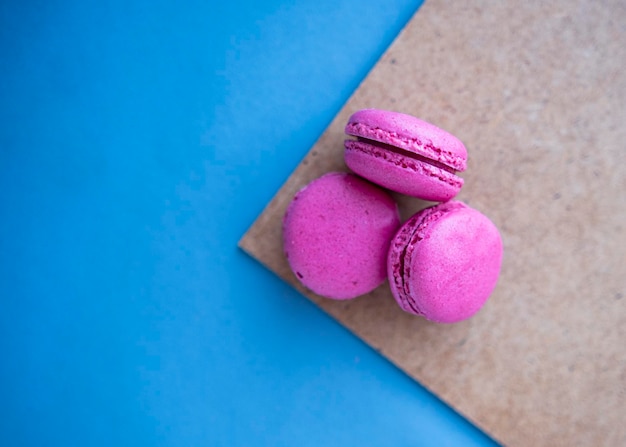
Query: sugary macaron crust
x=405 y=154
x=444 y=262
x=336 y=235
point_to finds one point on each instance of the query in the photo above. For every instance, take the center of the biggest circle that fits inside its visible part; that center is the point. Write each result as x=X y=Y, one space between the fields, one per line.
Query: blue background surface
x=138 y=141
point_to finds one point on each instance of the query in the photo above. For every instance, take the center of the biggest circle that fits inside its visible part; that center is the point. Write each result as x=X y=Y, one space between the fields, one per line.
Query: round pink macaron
x=405 y=154
x=444 y=262
x=336 y=235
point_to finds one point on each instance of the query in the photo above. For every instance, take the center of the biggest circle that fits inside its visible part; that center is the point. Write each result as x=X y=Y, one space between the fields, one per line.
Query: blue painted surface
x=138 y=141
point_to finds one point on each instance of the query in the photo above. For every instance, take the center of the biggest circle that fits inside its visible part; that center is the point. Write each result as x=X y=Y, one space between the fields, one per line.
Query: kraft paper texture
x=537 y=92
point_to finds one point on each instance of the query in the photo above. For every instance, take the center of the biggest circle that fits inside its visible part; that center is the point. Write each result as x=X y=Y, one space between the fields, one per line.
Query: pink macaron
x=405 y=154
x=444 y=262
x=336 y=235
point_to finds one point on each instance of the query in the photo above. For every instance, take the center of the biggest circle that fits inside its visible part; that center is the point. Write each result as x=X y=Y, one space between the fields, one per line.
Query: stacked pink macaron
x=343 y=238
x=405 y=154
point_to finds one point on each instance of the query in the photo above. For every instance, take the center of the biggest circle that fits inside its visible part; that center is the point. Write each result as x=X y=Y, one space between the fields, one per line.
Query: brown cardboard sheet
x=537 y=92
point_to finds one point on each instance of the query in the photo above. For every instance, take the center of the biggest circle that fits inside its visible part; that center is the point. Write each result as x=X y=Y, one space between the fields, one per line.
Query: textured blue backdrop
x=138 y=141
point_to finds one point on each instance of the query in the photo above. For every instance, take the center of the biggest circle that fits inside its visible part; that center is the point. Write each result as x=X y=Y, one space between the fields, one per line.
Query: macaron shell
x=414 y=230
x=409 y=133
x=336 y=235
x=401 y=174
x=450 y=264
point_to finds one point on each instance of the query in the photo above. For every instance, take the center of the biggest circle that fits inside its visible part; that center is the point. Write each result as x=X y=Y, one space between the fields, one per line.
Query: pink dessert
x=336 y=235
x=444 y=262
x=405 y=154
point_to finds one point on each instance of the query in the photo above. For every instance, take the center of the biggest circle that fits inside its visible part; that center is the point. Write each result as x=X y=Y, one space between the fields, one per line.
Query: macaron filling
x=404 y=153
x=412 y=146
x=405 y=159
